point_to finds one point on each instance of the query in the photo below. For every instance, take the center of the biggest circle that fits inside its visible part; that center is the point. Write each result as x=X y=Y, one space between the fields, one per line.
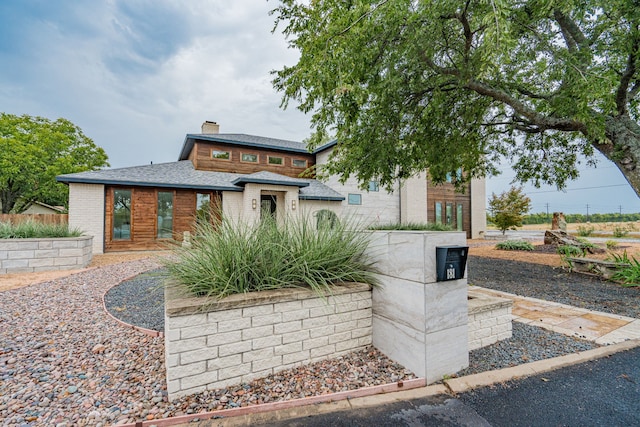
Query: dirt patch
x=543 y=254
x=19 y=280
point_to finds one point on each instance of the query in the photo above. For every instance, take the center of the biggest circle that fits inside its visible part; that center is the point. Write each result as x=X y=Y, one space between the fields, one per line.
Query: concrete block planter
x=489 y=319
x=215 y=344
x=44 y=254
x=417 y=321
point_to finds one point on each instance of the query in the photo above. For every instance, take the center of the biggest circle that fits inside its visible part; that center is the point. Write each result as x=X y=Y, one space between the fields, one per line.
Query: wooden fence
x=41 y=218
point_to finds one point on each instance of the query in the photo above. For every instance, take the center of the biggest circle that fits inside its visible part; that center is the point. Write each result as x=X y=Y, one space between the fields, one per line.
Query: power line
x=576 y=189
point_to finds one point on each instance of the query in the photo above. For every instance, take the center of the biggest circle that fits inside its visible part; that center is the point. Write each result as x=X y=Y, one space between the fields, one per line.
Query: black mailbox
x=450 y=262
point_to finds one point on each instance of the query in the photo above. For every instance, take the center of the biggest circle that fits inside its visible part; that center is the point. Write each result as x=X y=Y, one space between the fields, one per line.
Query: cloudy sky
x=137 y=75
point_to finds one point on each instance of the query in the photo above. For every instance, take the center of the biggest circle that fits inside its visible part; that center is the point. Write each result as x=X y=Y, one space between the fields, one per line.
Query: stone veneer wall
x=32 y=255
x=417 y=321
x=244 y=337
x=489 y=320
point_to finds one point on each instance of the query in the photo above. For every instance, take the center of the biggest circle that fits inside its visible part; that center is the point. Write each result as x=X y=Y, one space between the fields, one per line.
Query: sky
x=137 y=75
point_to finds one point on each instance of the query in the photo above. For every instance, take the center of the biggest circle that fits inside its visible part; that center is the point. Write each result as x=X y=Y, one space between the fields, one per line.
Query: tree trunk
x=7 y=200
x=623 y=148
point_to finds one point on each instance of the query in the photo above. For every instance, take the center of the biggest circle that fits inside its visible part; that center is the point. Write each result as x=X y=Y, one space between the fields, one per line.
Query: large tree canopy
x=33 y=150
x=408 y=85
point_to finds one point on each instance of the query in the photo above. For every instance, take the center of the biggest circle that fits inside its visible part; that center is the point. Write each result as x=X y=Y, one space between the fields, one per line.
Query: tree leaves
x=411 y=85
x=33 y=151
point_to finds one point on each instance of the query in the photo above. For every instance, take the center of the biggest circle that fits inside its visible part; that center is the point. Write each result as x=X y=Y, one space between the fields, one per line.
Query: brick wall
x=244 y=337
x=489 y=320
x=32 y=255
x=86 y=212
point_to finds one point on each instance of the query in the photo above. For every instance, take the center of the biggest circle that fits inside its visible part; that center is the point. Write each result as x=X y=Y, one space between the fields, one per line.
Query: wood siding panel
x=203 y=160
x=144 y=202
x=445 y=193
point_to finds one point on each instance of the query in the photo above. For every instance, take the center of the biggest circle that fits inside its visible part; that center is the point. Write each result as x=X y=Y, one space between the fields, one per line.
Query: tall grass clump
x=628 y=273
x=515 y=245
x=35 y=230
x=412 y=226
x=231 y=258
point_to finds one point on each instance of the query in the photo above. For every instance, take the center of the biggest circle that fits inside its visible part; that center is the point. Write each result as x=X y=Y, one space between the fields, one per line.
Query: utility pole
x=547 y=205
x=620 y=210
x=587 y=212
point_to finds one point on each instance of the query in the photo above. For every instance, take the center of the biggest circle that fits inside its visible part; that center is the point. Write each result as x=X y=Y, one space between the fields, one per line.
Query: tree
x=508 y=209
x=33 y=151
x=410 y=85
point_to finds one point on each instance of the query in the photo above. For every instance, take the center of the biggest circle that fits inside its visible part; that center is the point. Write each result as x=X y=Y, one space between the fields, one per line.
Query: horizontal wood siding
x=445 y=193
x=144 y=202
x=203 y=160
x=39 y=218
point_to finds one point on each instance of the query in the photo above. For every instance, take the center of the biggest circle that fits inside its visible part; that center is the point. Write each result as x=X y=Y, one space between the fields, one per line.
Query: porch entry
x=268 y=206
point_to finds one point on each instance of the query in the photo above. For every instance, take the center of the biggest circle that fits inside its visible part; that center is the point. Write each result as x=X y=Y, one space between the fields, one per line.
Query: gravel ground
x=554 y=284
x=63 y=362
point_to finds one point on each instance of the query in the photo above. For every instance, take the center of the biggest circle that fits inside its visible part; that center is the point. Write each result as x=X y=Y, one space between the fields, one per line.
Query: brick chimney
x=210 y=127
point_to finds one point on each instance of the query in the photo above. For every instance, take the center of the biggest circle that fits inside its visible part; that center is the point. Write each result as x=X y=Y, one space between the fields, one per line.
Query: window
x=203 y=208
x=276 y=160
x=459 y=217
x=165 y=215
x=251 y=158
x=438 y=212
x=121 y=214
x=449 y=213
x=299 y=163
x=222 y=155
x=374 y=186
x=354 y=199
x=449 y=179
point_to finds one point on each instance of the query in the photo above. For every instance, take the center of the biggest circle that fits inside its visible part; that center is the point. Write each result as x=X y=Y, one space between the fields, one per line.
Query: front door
x=268 y=206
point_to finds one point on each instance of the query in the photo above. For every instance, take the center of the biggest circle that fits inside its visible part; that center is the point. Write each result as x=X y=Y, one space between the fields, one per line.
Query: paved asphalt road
x=603 y=392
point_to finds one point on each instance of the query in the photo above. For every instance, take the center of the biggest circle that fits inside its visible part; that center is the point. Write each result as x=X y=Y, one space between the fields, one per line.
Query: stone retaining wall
x=45 y=254
x=212 y=345
x=489 y=320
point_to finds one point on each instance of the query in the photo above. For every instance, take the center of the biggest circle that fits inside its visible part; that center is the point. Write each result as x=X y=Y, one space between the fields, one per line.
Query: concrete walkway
x=602 y=328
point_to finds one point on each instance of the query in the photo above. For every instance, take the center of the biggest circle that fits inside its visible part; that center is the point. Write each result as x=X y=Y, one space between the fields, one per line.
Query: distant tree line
x=542 y=218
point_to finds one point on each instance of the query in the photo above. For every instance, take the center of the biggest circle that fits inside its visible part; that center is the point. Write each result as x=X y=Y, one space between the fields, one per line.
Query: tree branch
x=570 y=31
x=623 y=93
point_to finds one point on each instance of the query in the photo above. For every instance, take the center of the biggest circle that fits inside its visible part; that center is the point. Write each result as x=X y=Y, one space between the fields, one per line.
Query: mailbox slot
x=451 y=262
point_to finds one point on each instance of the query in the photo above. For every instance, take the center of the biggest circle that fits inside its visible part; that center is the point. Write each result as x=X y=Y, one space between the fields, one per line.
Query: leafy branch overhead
x=33 y=151
x=408 y=85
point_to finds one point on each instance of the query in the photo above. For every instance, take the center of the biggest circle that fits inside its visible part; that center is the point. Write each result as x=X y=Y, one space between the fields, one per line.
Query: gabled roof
x=183 y=175
x=265 y=177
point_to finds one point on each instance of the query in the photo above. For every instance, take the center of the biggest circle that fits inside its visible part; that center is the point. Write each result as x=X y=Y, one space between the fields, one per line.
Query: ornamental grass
x=231 y=258
x=36 y=230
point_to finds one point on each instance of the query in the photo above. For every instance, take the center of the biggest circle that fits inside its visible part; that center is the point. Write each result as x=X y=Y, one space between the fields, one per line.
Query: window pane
x=449 y=213
x=355 y=199
x=220 y=155
x=373 y=186
x=253 y=158
x=203 y=207
x=299 y=163
x=459 y=217
x=121 y=214
x=165 y=214
x=438 y=213
x=275 y=160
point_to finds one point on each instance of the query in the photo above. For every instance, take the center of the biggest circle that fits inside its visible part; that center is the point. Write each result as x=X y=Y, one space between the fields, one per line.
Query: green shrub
x=413 y=226
x=34 y=230
x=569 y=251
x=628 y=276
x=619 y=231
x=585 y=230
x=515 y=245
x=611 y=244
x=231 y=258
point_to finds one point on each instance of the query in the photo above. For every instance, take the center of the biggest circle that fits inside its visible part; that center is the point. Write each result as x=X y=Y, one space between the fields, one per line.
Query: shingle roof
x=242 y=139
x=182 y=175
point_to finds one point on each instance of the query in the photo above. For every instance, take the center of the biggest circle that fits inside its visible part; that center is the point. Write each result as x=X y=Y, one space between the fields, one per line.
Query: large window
x=165 y=215
x=438 y=212
x=299 y=163
x=276 y=160
x=121 y=214
x=251 y=158
x=459 y=217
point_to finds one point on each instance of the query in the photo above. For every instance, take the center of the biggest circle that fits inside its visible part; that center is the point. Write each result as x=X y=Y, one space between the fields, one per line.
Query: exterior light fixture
x=254 y=204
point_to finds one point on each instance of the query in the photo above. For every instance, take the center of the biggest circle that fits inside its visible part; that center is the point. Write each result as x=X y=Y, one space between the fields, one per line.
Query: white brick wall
x=33 y=255
x=86 y=212
x=230 y=344
x=489 y=320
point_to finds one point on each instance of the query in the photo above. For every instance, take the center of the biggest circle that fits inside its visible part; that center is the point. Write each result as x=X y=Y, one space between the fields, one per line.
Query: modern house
x=247 y=177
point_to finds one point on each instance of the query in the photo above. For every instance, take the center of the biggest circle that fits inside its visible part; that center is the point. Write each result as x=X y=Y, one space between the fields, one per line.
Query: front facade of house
x=245 y=178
